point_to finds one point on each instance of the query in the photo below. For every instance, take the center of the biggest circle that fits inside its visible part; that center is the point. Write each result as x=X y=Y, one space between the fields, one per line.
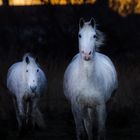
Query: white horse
x=26 y=82
x=89 y=81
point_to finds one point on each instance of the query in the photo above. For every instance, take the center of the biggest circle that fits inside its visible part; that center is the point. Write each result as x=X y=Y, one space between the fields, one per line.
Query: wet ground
x=61 y=127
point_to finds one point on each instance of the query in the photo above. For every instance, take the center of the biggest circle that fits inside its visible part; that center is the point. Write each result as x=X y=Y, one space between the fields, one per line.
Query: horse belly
x=89 y=99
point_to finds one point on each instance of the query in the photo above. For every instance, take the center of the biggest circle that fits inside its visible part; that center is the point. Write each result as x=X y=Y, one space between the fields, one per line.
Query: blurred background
x=48 y=29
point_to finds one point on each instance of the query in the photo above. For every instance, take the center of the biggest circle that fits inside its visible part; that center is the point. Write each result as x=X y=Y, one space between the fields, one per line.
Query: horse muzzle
x=33 y=88
x=87 y=58
x=86 y=55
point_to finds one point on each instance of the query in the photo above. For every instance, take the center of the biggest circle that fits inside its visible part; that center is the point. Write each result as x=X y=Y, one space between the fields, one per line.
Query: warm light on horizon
x=1 y=2
x=52 y=2
x=24 y=2
x=125 y=7
x=122 y=7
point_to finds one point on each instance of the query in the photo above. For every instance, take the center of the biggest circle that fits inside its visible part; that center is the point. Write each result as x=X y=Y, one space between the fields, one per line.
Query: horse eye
x=94 y=36
x=26 y=70
x=79 y=36
x=37 y=70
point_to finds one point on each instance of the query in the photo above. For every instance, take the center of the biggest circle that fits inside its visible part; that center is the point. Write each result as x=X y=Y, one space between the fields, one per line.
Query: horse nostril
x=87 y=58
x=33 y=88
x=82 y=52
x=33 y=80
x=90 y=53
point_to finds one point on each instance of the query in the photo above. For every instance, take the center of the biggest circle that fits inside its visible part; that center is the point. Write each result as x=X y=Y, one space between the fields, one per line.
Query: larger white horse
x=26 y=82
x=89 y=81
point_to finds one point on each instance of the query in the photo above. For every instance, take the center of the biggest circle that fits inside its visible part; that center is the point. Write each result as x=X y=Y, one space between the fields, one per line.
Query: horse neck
x=87 y=67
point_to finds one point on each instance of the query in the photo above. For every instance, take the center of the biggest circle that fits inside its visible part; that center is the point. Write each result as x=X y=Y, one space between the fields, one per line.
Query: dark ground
x=51 y=34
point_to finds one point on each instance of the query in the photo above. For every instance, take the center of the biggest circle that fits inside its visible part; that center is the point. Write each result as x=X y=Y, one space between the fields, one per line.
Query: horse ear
x=27 y=60
x=92 y=22
x=81 y=22
x=36 y=59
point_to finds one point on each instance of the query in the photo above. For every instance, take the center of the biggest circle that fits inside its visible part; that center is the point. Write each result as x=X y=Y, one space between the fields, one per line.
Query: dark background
x=50 y=32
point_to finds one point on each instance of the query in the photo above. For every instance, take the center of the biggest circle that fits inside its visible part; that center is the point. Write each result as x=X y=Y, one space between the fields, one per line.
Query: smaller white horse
x=89 y=81
x=26 y=82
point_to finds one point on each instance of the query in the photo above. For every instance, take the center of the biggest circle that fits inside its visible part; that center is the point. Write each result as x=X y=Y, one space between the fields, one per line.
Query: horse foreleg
x=77 y=114
x=19 y=109
x=17 y=113
x=20 y=112
x=37 y=115
x=101 y=114
x=28 y=112
x=88 y=123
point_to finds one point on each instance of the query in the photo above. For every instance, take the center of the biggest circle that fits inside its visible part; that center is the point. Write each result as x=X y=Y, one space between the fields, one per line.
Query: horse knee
x=101 y=111
x=81 y=136
x=102 y=134
x=38 y=118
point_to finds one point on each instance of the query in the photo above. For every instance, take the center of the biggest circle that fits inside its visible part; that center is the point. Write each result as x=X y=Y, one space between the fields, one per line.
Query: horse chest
x=82 y=80
x=84 y=88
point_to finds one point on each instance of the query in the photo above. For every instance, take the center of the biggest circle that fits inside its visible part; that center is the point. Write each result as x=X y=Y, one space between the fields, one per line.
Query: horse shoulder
x=106 y=72
x=75 y=57
x=104 y=64
x=42 y=81
x=14 y=76
x=73 y=64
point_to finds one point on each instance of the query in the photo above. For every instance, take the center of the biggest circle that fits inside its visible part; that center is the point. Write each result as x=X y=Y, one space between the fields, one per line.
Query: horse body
x=85 y=78
x=88 y=84
x=26 y=82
